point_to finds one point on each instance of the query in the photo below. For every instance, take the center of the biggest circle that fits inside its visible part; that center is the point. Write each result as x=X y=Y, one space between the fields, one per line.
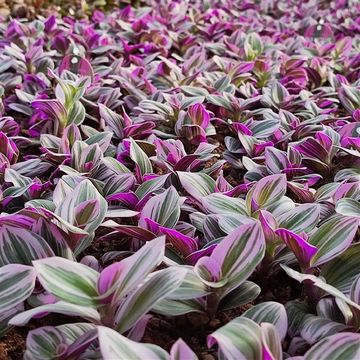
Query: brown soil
x=12 y=345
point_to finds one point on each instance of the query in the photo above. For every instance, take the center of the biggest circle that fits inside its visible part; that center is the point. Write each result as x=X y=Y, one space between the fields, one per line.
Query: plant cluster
x=215 y=145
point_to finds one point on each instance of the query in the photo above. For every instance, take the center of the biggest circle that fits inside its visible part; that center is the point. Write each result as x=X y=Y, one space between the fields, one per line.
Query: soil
x=12 y=345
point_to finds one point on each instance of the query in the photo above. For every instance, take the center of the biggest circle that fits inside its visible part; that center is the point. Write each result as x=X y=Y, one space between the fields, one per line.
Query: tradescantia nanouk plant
x=181 y=165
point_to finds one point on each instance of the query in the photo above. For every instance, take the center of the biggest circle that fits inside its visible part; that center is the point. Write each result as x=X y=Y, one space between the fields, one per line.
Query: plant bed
x=181 y=180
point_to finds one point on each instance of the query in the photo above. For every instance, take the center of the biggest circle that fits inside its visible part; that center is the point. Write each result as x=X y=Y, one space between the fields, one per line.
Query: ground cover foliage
x=181 y=180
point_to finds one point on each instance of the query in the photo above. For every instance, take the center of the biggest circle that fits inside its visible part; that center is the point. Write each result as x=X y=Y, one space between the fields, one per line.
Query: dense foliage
x=214 y=146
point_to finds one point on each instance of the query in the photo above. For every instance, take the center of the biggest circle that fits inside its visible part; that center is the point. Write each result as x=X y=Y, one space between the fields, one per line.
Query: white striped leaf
x=73 y=331
x=229 y=222
x=118 y=279
x=335 y=347
x=275 y=160
x=332 y=238
x=239 y=253
x=181 y=351
x=316 y=328
x=41 y=203
x=46 y=342
x=321 y=284
x=83 y=193
x=5 y=316
x=163 y=209
x=266 y=191
x=239 y=339
x=271 y=342
x=243 y=294
x=342 y=271
x=115 y=346
x=76 y=114
x=218 y=203
x=348 y=207
x=191 y=287
x=302 y=218
x=197 y=185
x=17 y=284
x=170 y=307
x=139 y=157
x=113 y=121
x=269 y=312
x=58 y=240
x=355 y=296
x=327 y=308
x=297 y=313
x=61 y=307
x=21 y=246
x=67 y=280
x=156 y=287
x=151 y=185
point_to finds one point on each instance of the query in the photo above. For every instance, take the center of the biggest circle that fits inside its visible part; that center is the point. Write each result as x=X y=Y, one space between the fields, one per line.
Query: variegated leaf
x=21 y=246
x=181 y=351
x=197 y=185
x=269 y=312
x=68 y=281
x=17 y=284
x=332 y=238
x=335 y=347
x=139 y=302
x=239 y=339
x=61 y=307
x=140 y=158
x=348 y=207
x=239 y=253
x=164 y=209
x=341 y=271
x=218 y=203
x=321 y=284
x=118 y=279
x=115 y=346
x=302 y=218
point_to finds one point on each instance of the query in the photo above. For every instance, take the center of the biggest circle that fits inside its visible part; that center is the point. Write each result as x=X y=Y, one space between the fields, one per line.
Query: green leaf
x=197 y=185
x=138 y=303
x=269 y=312
x=218 y=203
x=348 y=207
x=302 y=218
x=163 y=209
x=115 y=346
x=139 y=157
x=67 y=280
x=61 y=307
x=17 y=284
x=332 y=238
x=335 y=347
x=243 y=294
x=321 y=284
x=21 y=246
x=239 y=339
x=239 y=253
x=342 y=271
